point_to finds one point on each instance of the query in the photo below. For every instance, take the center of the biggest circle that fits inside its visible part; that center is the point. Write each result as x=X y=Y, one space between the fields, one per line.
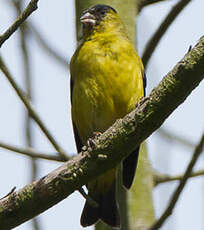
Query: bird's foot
x=91 y=142
x=96 y=135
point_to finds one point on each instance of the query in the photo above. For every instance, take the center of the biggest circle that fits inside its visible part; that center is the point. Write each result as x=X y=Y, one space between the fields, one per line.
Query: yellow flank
x=107 y=77
x=106 y=91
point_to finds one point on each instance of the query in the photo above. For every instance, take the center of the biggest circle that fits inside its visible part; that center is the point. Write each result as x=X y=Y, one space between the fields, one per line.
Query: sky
x=50 y=83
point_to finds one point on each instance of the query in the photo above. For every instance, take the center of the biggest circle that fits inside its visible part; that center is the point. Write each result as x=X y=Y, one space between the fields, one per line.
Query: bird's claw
x=91 y=143
x=96 y=135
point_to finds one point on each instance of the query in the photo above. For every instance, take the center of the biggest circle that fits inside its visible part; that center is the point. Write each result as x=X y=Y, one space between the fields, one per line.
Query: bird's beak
x=88 y=19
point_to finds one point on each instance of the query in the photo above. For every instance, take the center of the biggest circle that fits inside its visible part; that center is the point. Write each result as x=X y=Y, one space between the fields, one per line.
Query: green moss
x=27 y=194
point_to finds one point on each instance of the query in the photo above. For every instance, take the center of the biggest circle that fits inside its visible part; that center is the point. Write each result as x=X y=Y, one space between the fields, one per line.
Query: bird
x=107 y=81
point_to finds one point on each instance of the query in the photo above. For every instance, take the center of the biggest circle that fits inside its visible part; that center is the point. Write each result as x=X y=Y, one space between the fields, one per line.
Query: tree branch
x=180 y=187
x=10 y=192
x=111 y=147
x=154 y=40
x=31 y=110
x=31 y=7
x=27 y=82
x=46 y=47
x=174 y=137
x=160 y=178
x=31 y=152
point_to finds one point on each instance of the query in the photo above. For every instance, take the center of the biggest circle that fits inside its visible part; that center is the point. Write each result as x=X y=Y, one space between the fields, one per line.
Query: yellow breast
x=107 y=76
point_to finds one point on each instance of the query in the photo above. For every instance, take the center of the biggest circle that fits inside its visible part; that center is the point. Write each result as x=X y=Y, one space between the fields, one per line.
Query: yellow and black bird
x=107 y=80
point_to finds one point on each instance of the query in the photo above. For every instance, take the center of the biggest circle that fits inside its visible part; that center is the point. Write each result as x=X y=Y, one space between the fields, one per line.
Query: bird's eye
x=103 y=13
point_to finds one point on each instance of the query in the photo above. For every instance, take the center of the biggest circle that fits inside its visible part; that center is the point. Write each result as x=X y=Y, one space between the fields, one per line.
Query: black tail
x=129 y=168
x=107 y=210
x=90 y=215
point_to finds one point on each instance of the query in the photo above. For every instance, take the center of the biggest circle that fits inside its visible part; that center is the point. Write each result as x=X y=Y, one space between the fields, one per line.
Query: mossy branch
x=110 y=148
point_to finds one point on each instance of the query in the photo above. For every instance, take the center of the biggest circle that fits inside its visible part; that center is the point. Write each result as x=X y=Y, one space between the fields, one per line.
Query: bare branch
x=31 y=7
x=154 y=40
x=31 y=110
x=111 y=147
x=174 y=137
x=27 y=81
x=31 y=152
x=46 y=47
x=177 y=192
x=160 y=178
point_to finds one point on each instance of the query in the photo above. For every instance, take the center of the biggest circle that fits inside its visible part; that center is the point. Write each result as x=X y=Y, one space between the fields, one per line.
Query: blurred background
x=170 y=148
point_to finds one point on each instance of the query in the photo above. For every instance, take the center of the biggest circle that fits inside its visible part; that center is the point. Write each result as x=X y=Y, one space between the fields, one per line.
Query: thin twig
x=46 y=47
x=32 y=6
x=143 y=3
x=31 y=110
x=27 y=80
x=174 y=137
x=31 y=152
x=174 y=198
x=160 y=178
x=12 y=190
x=154 y=40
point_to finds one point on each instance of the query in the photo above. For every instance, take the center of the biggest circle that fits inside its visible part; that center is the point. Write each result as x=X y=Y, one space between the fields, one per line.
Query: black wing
x=71 y=88
x=76 y=133
x=130 y=162
x=77 y=139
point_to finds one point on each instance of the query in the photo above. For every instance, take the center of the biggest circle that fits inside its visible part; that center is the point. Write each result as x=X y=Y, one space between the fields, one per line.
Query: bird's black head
x=95 y=14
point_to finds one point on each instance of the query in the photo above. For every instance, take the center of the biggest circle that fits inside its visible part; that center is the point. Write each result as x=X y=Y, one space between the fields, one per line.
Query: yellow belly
x=104 y=92
x=98 y=101
x=107 y=84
